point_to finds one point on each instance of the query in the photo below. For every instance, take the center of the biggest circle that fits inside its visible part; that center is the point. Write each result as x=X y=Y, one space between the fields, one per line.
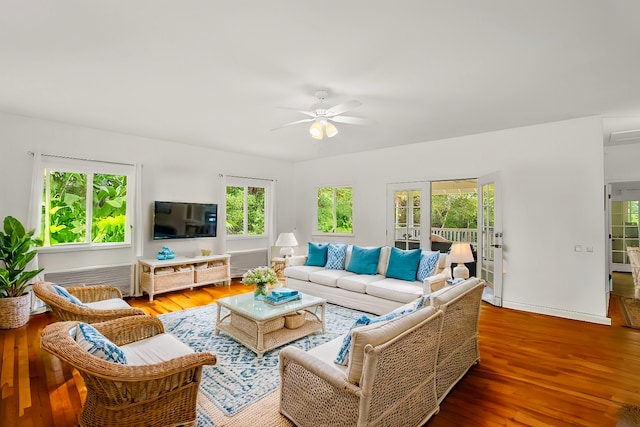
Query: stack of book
x=282 y=295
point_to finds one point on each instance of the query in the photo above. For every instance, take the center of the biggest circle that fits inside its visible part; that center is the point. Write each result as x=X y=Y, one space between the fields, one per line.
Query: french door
x=490 y=237
x=409 y=215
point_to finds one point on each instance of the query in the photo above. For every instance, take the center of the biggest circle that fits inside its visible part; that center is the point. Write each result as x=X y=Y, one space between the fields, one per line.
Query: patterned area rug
x=239 y=378
x=631 y=311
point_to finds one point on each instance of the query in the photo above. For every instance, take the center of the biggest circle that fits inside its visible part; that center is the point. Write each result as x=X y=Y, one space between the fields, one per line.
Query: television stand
x=158 y=276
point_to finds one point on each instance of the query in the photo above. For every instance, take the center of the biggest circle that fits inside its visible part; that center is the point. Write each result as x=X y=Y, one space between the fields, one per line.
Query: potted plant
x=15 y=254
x=260 y=277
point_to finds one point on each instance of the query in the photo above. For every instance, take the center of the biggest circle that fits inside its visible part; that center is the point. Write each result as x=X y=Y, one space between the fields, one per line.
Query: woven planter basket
x=14 y=312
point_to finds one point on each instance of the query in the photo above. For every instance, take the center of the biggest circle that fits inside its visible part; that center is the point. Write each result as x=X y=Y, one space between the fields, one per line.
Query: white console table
x=158 y=276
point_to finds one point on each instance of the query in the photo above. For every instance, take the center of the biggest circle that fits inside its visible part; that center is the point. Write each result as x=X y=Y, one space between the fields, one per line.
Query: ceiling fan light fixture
x=316 y=130
x=331 y=130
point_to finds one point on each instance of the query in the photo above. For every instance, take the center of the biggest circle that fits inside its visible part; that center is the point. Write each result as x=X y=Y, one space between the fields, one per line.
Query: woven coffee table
x=261 y=326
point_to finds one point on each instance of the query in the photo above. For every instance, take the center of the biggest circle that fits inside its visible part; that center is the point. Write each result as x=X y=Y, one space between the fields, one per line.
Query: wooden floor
x=535 y=370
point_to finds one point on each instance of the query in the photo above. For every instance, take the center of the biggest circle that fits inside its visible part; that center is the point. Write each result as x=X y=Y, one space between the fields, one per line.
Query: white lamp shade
x=286 y=241
x=461 y=253
x=316 y=130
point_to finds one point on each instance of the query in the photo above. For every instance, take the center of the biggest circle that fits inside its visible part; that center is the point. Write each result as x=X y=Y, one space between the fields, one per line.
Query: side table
x=278 y=265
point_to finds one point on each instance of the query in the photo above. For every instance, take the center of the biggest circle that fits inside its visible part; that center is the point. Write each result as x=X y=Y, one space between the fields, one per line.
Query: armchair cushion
x=60 y=290
x=108 y=304
x=98 y=345
x=155 y=349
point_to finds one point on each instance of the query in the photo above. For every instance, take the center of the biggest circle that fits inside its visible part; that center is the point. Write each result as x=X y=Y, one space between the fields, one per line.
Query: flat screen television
x=179 y=220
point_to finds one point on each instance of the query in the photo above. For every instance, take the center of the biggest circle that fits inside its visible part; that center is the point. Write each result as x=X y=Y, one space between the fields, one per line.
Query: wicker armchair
x=459 y=346
x=397 y=383
x=634 y=260
x=63 y=309
x=161 y=394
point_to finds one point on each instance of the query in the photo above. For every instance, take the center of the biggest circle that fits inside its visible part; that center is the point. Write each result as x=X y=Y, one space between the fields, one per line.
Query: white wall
x=552 y=177
x=171 y=171
x=622 y=163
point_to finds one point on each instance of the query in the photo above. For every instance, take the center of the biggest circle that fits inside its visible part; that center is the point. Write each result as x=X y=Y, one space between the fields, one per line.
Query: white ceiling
x=212 y=73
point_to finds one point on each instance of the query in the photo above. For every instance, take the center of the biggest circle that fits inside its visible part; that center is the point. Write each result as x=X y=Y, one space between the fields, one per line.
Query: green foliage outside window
x=454 y=210
x=254 y=210
x=335 y=210
x=64 y=208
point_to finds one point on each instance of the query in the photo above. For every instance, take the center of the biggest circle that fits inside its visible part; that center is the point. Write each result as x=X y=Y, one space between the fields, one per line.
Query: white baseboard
x=558 y=313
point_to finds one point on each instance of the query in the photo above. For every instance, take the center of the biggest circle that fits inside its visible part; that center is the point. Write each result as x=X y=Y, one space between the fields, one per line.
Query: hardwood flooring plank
x=24 y=379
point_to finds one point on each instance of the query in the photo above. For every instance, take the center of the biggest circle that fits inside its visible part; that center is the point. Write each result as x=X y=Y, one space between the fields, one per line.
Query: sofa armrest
x=436 y=282
x=295 y=260
x=308 y=387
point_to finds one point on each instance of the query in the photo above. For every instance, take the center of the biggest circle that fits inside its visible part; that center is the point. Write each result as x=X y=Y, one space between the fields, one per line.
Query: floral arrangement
x=260 y=275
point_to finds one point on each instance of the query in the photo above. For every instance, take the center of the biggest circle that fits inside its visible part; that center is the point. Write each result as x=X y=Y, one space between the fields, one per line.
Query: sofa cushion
x=96 y=344
x=155 y=349
x=328 y=277
x=301 y=272
x=317 y=254
x=327 y=353
x=395 y=289
x=61 y=291
x=108 y=304
x=336 y=255
x=357 y=282
x=428 y=264
x=403 y=265
x=363 y=260
x=377 y=334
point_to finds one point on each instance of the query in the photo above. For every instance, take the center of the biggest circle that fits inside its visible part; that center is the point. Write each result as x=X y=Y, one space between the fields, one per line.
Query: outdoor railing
x=452 y=234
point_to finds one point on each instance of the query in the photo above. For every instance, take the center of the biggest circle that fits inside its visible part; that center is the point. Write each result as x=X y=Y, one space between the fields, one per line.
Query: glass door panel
x=490 y=245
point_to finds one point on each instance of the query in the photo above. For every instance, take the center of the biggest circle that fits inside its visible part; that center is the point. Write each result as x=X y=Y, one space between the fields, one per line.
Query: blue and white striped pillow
x=336 y=256
x=428 y=264
x=66 y=295
x=98 y=345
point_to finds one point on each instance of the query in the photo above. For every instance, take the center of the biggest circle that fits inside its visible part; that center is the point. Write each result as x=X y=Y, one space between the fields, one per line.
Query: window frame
x=315 y=231
x=246 y=183
x=90 y=168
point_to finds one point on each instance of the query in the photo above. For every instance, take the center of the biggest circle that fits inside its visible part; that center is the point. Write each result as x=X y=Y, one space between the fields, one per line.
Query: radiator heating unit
x=242 y=261
x=121 y=276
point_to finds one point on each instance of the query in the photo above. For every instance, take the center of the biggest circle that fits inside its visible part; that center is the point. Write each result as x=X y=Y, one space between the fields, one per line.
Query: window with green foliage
x=245 y=210
x=82 y=204
x=335 y=210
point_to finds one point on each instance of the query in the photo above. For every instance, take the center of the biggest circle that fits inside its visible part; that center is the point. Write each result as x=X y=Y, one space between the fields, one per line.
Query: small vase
x=260 y=291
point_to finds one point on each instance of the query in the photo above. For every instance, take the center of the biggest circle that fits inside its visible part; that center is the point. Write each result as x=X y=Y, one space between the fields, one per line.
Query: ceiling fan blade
x=341 y=108
x=294 y=123
x=349 y=120
x=308 y=113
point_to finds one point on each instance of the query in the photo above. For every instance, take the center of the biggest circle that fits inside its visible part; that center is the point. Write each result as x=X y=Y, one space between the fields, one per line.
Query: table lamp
x=460 y=253
x=286 y=241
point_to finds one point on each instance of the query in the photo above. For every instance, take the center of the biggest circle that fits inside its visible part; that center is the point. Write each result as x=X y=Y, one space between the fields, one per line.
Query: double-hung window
x=335 y=210
x=246 y=207
x=85 y=203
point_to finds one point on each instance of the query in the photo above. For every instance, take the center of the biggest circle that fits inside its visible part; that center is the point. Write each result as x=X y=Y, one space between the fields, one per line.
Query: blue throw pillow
x=66 y=295
x=428 y=264
x=364 y=261
x=98 y=345
x=336 y=255
x=343 y=354
x=317 y=254
x=403 y=265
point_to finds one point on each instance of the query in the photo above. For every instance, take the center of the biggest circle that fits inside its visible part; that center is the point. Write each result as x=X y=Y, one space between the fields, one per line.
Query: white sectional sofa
x=373 y=293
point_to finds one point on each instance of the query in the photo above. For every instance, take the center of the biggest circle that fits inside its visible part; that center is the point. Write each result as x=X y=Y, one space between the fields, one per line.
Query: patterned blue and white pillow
x=336 y=256
x=343 y=354
x=428 y=264
x=98 y=345
x=66 y=295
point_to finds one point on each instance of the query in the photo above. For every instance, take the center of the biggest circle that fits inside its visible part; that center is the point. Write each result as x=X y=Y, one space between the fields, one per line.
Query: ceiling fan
x=322 y=114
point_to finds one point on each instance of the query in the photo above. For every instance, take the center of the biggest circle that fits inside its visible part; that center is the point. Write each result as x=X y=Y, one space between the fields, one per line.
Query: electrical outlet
x=578 y=248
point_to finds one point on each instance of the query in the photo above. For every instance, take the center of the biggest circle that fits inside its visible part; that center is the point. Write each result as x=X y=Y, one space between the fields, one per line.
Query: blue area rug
x=239 y=378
